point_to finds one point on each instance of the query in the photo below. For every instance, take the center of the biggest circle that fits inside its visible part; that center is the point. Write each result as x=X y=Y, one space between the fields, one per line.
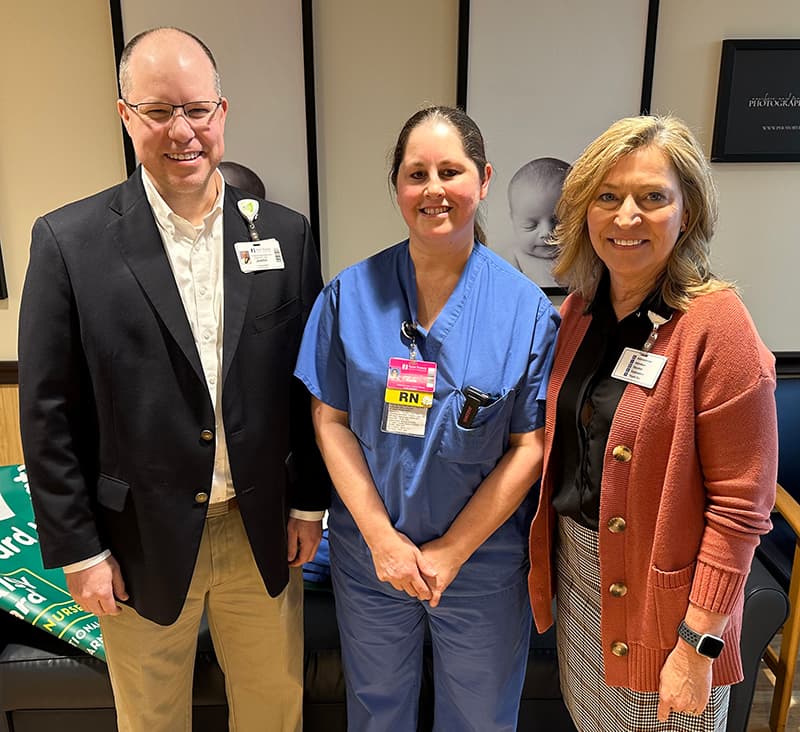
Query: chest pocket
x=279 y=316
x=485 y=440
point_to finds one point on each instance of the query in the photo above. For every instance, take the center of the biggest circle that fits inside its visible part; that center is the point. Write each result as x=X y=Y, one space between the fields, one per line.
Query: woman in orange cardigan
x=661 y=442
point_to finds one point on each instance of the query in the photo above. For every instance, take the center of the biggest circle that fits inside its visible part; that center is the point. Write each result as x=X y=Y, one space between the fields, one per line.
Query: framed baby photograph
x=530 y=80
x=758 y=102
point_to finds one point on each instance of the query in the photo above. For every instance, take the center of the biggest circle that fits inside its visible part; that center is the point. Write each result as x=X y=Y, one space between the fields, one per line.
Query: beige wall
x=59 y=131
x=377 y=63
x=758 y=238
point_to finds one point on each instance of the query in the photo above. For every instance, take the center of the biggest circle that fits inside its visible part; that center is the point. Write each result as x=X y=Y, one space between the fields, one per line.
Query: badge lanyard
x=641 y=366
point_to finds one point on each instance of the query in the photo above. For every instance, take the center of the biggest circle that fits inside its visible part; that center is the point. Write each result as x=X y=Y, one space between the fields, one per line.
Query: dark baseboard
x=9 y=373
x=787 y=364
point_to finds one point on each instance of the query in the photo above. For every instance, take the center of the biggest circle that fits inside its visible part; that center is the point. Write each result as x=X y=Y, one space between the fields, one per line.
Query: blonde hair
x=688 y=271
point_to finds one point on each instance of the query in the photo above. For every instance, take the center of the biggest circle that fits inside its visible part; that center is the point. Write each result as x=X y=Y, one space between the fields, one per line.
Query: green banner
x=28 y=591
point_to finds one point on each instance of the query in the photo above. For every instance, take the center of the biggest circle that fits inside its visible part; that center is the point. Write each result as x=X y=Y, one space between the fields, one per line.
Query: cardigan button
x=201 y=497
x=622 y=453
x=618 y=589
x=617 y=524
x=620 y=649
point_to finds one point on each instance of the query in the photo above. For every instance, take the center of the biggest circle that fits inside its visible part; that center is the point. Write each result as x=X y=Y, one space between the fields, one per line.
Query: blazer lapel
x=235 y=283
x=137 y=237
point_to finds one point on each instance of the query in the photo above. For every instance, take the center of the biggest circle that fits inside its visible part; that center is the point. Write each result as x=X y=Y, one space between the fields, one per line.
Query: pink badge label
x=410 y=375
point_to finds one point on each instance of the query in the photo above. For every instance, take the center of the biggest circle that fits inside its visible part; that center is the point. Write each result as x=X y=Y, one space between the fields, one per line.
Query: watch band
x=689 y=635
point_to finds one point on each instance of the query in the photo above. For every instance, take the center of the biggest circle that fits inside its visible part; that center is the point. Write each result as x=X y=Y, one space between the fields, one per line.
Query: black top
x=588 y=400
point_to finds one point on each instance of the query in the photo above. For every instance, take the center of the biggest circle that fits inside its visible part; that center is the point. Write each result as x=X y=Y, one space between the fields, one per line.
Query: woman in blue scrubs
x=428 y=367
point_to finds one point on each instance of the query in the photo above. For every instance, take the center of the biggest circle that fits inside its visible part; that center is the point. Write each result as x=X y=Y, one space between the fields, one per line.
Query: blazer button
x=618 y=589
x=201 y=497
x=622 y=453
x=206 y=435
x=618 y=648
x=617 y=524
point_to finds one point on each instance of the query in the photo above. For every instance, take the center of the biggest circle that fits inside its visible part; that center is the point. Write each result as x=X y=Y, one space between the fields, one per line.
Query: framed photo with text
x=758 y=102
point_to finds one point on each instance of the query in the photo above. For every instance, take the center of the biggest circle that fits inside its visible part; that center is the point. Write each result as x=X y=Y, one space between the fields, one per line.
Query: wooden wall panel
x=10 y=445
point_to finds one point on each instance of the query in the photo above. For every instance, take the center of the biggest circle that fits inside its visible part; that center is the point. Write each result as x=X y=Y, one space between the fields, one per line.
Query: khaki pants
x=258 y=641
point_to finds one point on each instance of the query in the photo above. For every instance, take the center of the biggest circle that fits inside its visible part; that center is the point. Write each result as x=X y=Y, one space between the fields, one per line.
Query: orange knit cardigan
x=695 y=495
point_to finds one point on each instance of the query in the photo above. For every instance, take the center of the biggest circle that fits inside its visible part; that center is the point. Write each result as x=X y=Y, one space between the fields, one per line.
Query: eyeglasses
x=195 y=113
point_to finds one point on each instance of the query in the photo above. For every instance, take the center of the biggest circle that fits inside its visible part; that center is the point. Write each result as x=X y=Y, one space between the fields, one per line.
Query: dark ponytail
x=471 y=139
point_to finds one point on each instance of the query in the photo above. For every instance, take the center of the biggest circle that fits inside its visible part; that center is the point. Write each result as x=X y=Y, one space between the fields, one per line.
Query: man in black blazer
x=170 y=453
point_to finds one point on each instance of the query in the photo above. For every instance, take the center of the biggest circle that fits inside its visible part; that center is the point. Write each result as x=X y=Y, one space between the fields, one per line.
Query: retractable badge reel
x=248 y=207
x=409 y=330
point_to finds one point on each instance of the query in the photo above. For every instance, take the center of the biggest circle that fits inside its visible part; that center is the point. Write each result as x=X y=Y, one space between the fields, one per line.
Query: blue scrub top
x=497 y=333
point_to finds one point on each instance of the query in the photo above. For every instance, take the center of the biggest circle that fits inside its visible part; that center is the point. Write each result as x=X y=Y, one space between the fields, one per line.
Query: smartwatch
x=705 y=644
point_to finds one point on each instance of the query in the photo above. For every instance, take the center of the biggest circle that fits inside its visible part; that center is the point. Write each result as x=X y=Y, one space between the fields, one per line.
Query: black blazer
x=113 y=398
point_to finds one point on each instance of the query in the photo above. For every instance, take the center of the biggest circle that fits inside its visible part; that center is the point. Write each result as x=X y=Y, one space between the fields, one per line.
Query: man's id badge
x=410 y=386
x=639 y=367
x=256 y=256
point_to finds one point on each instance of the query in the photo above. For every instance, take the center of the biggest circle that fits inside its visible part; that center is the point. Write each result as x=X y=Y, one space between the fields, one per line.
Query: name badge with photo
x=257 y=256
x=410 y=385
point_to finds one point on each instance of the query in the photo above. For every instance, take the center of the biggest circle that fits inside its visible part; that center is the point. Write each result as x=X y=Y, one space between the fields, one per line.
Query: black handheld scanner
x=475 y=400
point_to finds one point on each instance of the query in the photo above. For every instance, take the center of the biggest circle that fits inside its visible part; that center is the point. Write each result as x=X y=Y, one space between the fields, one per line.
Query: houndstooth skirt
x=595 y=706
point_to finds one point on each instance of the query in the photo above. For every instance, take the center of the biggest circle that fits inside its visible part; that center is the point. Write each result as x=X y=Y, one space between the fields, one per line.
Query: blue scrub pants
x=480 y=650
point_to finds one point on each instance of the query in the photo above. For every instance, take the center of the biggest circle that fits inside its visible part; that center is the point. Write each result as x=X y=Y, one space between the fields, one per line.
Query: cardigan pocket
x=668 y=598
